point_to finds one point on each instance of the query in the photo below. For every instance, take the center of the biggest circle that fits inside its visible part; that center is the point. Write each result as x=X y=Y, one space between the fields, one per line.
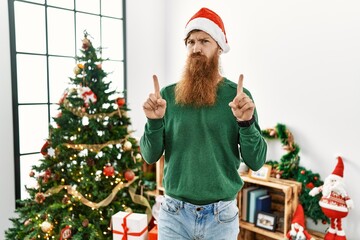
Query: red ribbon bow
x=126 y=232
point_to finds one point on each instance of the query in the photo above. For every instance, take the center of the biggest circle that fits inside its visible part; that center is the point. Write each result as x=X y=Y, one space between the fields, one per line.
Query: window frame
x=14 y=75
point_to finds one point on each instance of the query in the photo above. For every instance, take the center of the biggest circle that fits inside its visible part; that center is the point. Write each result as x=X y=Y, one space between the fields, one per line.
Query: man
x=198 y=124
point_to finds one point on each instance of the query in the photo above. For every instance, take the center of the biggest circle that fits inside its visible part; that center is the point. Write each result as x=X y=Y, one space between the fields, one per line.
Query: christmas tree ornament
x=27 y=222
x=65 y=233
x=129 y=175
x=90 y=162
x=108 y=170
x=120 y=101
x=44 y=149
x=39 y=197
x=86 y=43
x=127 y=146
x=46 y=226
x=85 y=223
x=65 y=200
x=335 y=202
x=298 y=231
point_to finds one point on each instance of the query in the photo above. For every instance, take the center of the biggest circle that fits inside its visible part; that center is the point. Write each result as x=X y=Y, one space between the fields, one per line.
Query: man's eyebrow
x=199 y=38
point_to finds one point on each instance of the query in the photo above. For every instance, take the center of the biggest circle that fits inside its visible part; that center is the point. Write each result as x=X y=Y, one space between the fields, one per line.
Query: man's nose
x=197 y=48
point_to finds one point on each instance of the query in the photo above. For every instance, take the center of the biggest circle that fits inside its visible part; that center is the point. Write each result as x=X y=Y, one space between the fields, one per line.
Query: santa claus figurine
x=335 y=203
x=298 y=231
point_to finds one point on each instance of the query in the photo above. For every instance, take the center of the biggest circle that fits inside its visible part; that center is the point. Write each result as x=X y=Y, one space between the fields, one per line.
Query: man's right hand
x=155 y=106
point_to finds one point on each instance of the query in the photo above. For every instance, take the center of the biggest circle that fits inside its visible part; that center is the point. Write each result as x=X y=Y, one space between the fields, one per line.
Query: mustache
x=197 y=55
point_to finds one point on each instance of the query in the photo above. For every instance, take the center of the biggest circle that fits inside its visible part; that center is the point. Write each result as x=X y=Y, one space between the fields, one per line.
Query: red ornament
x=310 y=185
x=120 y=101
x=65 y=233
x=39 y=197
x=302 y=172
x=108 y=171
x=129 y=175
x=45 y=148
x=316 y=178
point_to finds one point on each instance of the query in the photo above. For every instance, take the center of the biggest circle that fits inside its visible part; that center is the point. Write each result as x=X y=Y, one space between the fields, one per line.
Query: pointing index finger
x=240 y=84
x=156 y=86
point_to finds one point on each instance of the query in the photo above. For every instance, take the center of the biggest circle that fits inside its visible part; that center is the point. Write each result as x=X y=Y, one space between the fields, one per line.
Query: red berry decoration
x=310 y=185
x=302 y=172
x=120 y=101
x=108 y=171
x=129 y=175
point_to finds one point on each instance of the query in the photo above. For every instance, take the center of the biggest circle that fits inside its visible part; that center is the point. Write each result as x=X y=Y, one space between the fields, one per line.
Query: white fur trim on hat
x=210 y=28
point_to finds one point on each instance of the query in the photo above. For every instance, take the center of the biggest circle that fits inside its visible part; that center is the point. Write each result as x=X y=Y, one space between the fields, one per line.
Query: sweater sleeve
x=253 y=146
x=152 y=141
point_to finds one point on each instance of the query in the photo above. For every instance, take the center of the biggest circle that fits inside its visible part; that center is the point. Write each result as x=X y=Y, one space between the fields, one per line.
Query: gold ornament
x=127 y=146
x=46 y=227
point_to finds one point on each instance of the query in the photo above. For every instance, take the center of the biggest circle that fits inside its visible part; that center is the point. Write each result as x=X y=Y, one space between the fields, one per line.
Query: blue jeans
x=182 y=220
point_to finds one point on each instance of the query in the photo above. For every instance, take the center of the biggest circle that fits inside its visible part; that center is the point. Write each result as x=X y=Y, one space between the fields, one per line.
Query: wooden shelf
x=251 y=227
x=291 y=190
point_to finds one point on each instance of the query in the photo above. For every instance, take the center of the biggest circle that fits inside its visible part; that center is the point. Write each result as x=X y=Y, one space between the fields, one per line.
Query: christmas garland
x=288 y=167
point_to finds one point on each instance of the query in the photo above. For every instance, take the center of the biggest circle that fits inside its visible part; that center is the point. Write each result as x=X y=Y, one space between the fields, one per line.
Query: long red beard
x=199 y=82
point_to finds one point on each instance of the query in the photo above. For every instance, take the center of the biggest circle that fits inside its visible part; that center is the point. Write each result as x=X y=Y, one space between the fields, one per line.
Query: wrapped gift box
x=153 y=233
x=130 y=226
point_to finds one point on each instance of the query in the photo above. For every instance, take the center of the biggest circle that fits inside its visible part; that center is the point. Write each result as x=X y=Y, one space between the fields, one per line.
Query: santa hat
x=299 y=216
x=339 y=169
x=211 y=23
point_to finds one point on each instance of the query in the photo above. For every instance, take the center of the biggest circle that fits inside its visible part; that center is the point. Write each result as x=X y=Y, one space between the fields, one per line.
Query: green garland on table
x=288 y=167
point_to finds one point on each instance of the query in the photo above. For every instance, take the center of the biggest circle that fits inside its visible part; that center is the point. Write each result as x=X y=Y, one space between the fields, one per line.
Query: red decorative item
x=45 y=148
x=108 y=171
x=302 y=172
x=65 y=233
x=298 y=225
x=120 y=101
x=88 y=95
x=310 y=185
x=39 y=197
x=46 y=176
x=129 y=175
x=335 y=203
x=153 y=233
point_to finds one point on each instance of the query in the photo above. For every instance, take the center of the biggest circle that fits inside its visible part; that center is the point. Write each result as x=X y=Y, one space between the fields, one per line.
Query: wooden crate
x=285 y=192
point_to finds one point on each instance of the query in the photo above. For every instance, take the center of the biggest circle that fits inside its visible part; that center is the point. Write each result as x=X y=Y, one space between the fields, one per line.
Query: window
x=45 y=39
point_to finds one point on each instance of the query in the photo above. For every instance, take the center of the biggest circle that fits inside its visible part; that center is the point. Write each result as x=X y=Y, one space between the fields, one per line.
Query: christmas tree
x=91 y=165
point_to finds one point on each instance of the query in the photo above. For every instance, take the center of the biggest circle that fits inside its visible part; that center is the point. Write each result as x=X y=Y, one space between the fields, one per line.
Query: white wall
x=7 y=184
x=300 y=60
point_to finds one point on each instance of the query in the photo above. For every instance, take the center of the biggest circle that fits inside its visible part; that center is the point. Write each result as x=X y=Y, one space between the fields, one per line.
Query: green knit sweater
x=201 y=147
